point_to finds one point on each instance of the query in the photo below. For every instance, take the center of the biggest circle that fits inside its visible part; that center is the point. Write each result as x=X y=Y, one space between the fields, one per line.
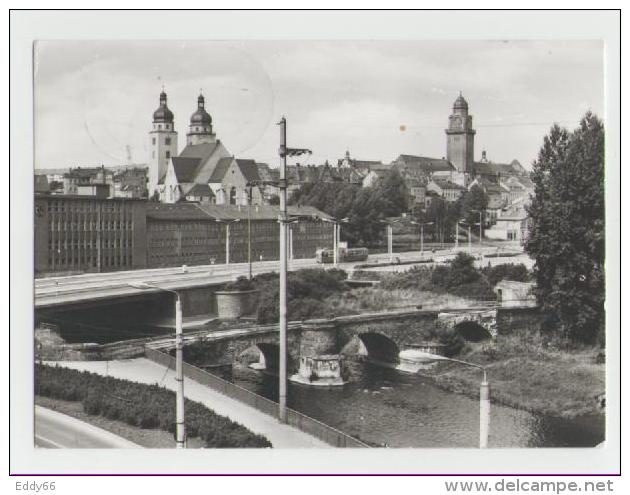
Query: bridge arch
x=472 y=331
x=472 y=324
x=379 y=347
x=267 y=355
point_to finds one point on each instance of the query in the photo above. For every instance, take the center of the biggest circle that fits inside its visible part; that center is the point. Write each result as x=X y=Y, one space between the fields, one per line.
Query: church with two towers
x=205 y=170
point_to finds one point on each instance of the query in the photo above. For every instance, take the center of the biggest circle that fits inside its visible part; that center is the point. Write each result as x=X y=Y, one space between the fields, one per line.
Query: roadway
x=55 y=430
x=72 y=289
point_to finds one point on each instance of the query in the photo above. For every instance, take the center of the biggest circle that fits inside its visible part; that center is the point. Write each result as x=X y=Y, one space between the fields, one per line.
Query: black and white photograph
x=320 y=244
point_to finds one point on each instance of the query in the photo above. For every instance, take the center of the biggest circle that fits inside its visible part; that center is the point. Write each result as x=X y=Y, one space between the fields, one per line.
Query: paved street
x=144 y=371
x=60 y=431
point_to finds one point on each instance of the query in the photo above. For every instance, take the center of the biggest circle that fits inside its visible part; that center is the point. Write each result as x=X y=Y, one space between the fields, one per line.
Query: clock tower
x=460 y=137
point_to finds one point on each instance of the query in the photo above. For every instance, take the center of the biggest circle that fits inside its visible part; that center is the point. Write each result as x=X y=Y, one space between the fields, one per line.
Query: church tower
x=162 y=144
x=460 y=137
x=200 y=129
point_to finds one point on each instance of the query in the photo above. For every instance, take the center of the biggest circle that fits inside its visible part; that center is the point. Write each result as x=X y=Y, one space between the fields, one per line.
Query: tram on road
x=344 y=255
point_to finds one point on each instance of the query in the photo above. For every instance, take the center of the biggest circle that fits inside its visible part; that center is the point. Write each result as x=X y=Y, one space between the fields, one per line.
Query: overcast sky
x=94 y=100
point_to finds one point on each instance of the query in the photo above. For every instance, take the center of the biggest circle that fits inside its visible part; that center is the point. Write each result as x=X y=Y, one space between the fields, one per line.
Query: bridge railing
x=296 y=419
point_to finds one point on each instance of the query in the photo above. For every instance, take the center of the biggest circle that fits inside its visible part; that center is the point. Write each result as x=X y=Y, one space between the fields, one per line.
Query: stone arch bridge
x=383 y=335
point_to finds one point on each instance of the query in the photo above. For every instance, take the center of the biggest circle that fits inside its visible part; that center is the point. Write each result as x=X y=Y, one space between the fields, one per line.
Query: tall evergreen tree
x=567 y=234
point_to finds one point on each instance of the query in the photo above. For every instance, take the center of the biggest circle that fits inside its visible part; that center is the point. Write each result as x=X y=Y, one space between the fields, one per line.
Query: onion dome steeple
x=200 y=116
x=200 y=128
x=163 y=114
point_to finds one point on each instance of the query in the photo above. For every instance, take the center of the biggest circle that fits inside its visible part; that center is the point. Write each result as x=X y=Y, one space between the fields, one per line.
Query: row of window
x=84 y=262
x=115 y=207
x=88 y=244
x=91 y=237
x=81 y=247
x=83 y=226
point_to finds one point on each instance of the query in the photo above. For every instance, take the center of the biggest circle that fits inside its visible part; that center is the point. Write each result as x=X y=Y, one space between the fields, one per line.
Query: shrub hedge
x=306 y=288
x=141 y=405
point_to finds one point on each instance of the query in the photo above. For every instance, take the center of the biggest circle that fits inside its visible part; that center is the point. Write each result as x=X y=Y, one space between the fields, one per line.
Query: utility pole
x=227 y=243
x=249 y=231
x=284 y=151
x=339 y=233
x=227 y=236
x=335 y=245
x=456 y=235
x=390 y=242
x=480 y=223
x=422 y=237
x=99 y=230
x=282 y=389
x=484 y=412
x=179 y=375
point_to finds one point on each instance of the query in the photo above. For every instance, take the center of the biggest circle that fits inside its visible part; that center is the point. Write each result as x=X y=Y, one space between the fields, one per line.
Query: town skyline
x=375 y=99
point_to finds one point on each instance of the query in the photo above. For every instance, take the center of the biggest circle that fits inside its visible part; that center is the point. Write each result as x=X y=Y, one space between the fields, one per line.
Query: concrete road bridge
x=101 y=288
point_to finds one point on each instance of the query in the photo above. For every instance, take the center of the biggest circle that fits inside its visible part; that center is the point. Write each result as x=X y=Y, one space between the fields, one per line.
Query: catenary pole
x=282 y=388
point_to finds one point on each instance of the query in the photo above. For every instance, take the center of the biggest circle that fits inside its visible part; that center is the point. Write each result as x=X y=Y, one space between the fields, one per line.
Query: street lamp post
x=484 y=397
x=390 y=239
x=336 y=236
x=249 y=232
x=335 y=246
x=480 y=223
x=227 y=236
x=456 y=235
x=290 y=243
x=466 y=224
x=180 y=425
x=422 y=235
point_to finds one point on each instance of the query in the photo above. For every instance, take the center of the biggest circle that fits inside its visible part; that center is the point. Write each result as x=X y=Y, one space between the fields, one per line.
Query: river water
x=385 y=407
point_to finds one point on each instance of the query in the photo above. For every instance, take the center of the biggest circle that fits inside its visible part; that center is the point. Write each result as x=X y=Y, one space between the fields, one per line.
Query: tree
x=333 y=198
x=567 y=235
x=471 y=203
x=443 y=214
x=391 y=194
x=364 y=207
